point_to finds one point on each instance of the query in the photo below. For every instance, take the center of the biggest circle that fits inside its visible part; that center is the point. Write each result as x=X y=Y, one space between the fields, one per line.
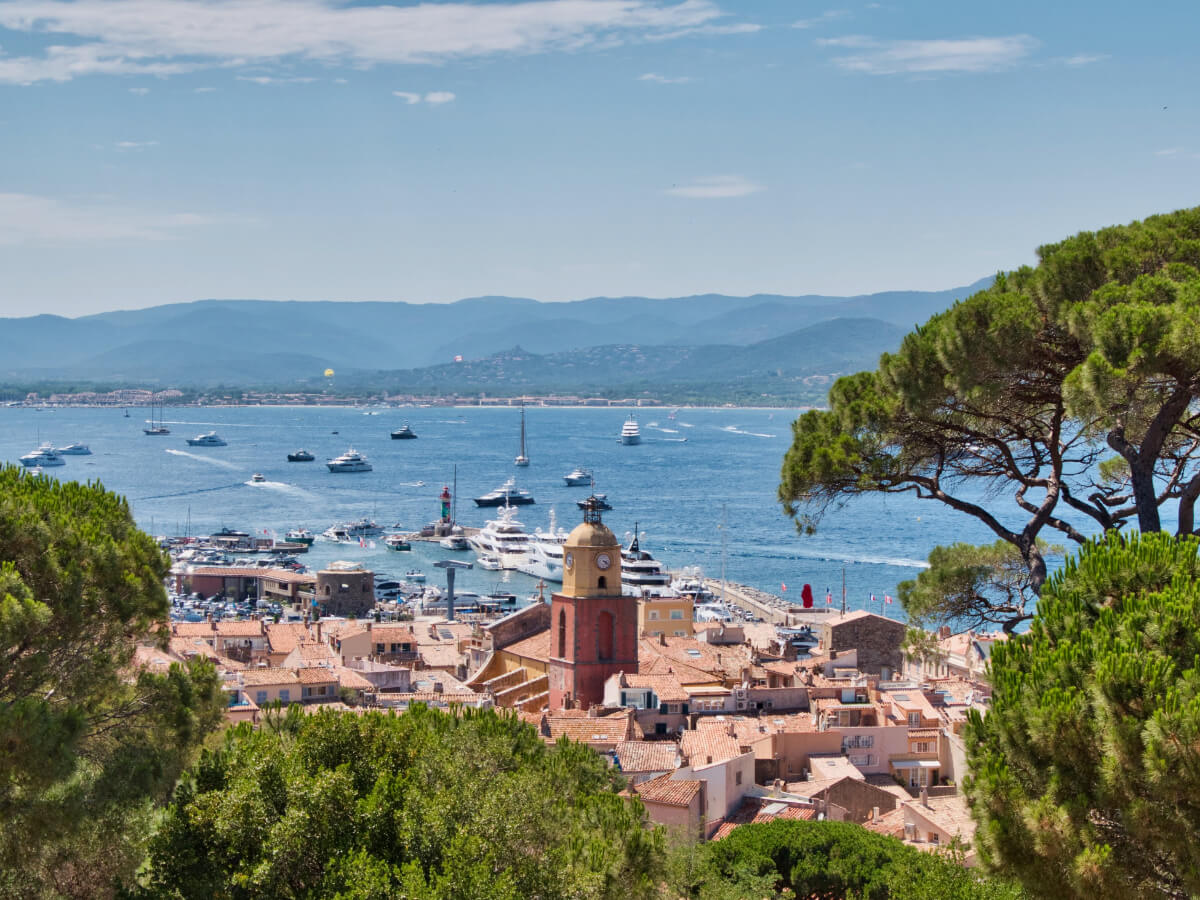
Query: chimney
x=318 y=629
x=925 y=796
x=662 y=638
x=874 y=813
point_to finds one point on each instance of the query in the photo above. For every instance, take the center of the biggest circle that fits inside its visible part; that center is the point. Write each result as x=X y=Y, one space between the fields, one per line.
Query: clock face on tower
x=603 y=561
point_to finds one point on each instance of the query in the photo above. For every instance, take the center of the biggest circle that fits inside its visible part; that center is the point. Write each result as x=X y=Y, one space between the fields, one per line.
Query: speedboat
x=641 y=572
x=503 y=538
x=403 y=433
x=209 y=439
x=508 y=494
x=630 y=434
x=75 y=449
x=579 y=477
x=350 y=461
x=455 y=540
x=300 y=536
x=258 y=477
x=416 y=576
x=488 y=561
x=44 y=456
x=301 y=456
x=595 y=501
x=544 y=559
x=397 y=542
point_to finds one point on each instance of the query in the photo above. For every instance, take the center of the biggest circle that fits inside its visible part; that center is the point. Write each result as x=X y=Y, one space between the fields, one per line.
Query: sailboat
x=155 y=429
x=522 y=460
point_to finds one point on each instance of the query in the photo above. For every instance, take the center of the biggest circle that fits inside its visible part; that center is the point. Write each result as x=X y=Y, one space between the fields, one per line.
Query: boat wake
x=283 y=487
x=669 y=430
x=207 y=490
x=733 y=429
x=205 y=459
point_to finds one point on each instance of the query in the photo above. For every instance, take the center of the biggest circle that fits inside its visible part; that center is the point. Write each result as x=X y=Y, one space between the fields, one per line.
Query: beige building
x=670 y=616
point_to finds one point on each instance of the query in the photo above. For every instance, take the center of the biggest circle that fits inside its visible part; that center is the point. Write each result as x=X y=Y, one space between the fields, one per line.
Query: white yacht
x=630 y=434
x=44 y=457
x=75 y=449
x=455 y=540
x=209 y=439
x=350 y=461
x=545 y=557
x=345 y=532
x=641 y=572
x=579 y=477
x=503 y=538
x=508 y=494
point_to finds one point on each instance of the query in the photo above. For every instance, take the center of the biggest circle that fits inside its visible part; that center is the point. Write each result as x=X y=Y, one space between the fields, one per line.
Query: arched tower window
x=562 y=634
x=606 y=628
x=601 y=583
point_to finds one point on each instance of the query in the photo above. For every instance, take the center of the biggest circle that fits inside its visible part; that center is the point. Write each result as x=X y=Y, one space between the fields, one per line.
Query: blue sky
x=157 y=151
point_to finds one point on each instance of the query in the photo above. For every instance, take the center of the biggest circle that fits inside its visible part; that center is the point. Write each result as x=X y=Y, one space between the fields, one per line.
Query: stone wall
x=878 y=641
x=520 y=625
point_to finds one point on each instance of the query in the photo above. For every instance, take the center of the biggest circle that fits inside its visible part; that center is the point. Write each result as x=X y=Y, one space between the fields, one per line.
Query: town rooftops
x=286 y=575
x=757 y=810
x=647 y=756
x=668 y=791
x=707 y=746
x=665 y=687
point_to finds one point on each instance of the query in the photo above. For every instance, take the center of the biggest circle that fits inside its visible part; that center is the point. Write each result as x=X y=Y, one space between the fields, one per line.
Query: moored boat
x=630 y=433
x=350 y=461
x=579 y=477
x=74 y=449
x=397 y=542
x=43 y=457
x=208 y=439
x=300 y=455
x=508 y=494
x=403 y=433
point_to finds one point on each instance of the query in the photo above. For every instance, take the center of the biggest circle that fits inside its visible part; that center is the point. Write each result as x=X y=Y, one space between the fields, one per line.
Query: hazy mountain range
x=503 y=341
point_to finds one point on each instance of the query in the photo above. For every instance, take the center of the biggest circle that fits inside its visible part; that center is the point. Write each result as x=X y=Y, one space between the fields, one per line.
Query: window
x=654 y=615
x=914 y=719
x=284 y=696
x=923 y=747
x=606 y=628
x=677 y=614
x=562 y=633
x=679 y=634
x=260 y=697
x=379 y=648
x=321 y=690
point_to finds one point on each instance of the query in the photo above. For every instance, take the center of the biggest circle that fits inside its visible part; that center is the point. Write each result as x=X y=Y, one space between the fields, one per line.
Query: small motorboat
x=301 y=455
x=488 y=561
x=403 y=433
x=258 y=477
x=397 y=542
x=416 y=576
x=300 y=536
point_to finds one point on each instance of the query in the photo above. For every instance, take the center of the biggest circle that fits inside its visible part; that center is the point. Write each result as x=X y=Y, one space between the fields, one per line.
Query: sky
x=157 y=151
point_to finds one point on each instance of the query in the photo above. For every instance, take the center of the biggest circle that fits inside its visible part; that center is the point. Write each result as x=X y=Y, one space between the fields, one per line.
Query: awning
x=916 y=764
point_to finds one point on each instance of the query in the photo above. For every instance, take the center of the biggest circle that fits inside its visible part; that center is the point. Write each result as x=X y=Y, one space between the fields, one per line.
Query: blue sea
x=701 y=486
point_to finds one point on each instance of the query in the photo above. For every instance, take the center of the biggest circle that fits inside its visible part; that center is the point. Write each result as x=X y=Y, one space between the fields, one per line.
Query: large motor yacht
x=641 y=572
x=580 y=477
x=503 y=538
x=43 y=457
x=74 y=449
x=403 y=433
x=300 y=455
x=352 y=531
x=545 y=557
x=630 y=433
x=350 y=461
x=508 y=494
x=209 y=439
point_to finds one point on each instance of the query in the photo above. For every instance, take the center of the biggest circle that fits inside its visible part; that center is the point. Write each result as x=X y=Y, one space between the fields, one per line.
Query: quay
x=773 y=608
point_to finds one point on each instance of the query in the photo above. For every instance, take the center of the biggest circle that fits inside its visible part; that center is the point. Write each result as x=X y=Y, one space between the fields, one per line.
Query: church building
x=593 y=626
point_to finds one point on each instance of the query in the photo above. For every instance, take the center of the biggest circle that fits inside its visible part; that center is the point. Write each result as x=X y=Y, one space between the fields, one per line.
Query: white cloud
x=433 y=97
x=1084 y=59
x=166 y=37
x=664 y=79
x=1170 y=151
x=713 y=187
x=274 y=79
x=977 y=54
x=204 y=90
x=139 y=91
x=827 y=16
x=31 y=219
x=126 y=146
x=341 y=81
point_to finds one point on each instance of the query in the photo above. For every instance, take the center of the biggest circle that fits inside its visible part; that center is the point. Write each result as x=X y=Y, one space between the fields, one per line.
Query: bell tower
x=593 y=626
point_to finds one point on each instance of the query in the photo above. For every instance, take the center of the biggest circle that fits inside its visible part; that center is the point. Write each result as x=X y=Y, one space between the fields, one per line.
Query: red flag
x=806 y=596
x=829 y=598
x=887 y=598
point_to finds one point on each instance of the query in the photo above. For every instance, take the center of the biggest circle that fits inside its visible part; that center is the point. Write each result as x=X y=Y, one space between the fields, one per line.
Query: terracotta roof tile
x=265 y=676
x=316 y=675
x=247 y=628
x=284 y=636
x=665 y=687
x=536 y=646
x=193 y=629
x=708 y=746
x=757 y=810
x=647 y=756
x=668 y=791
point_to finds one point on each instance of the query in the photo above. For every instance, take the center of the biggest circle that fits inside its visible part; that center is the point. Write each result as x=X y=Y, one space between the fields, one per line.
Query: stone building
x=345 y=589
x=878 y=640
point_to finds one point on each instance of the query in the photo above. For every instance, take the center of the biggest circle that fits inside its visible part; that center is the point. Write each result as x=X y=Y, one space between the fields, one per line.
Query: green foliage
x=87 y=742
x=1087 y=768
x=788 y=858
x=1023 y=389
x=971 y=587
x=422 y=805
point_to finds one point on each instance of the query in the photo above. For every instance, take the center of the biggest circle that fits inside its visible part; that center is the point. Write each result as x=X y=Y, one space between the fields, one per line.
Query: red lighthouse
x=444 y=497
x=593 y=626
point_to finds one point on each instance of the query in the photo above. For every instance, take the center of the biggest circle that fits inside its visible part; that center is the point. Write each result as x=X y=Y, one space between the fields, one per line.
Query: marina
x=675 y=491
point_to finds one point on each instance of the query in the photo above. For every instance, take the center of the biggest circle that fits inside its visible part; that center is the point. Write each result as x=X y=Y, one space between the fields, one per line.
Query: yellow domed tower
x=593 y=625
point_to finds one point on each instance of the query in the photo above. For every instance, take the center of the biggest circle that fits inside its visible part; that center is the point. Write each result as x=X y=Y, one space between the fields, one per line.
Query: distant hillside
x=254 y=342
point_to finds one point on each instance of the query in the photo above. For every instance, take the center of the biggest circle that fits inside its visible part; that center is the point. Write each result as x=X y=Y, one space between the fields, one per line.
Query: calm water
x=677 y=485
